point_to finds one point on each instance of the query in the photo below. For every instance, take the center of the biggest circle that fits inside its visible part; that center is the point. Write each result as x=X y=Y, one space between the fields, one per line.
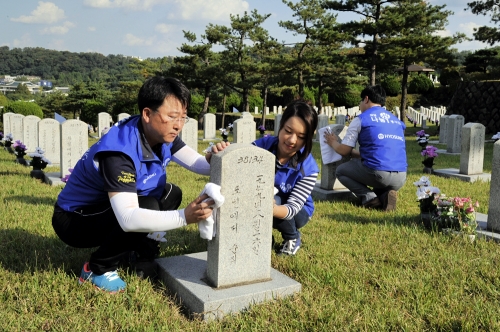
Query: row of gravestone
x=64 y=143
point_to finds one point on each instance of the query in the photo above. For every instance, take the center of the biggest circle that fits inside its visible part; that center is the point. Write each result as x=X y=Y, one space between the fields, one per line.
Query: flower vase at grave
x=428 y=163
x=224 y=137
x=8 y=146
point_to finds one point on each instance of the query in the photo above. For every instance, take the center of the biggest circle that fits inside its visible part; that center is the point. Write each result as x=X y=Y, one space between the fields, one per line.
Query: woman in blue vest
x=296 y=172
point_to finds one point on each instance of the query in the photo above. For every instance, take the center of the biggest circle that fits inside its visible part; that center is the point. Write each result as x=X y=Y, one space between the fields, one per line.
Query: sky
x=154 y=28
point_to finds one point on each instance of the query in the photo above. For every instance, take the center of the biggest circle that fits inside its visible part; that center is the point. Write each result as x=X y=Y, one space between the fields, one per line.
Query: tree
x=481 y=60
x=198 y=69
x=372 y=25
x=239 y=41
x=487 y=34
x=51 y=102
x=410 y=37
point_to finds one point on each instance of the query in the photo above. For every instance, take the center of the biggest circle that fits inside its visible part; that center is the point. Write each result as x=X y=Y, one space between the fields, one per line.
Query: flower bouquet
x=496 y=137
x=38 y=162
x=66 y=177
x=262 y=129
x=422 y=138
x=20 y=151
x=457 y=214
x=8 y=142
x=224 y=134
x=230 y=126
x=426 y=195
x=429 y=153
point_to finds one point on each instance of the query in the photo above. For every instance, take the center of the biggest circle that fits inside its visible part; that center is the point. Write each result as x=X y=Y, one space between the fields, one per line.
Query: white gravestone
x=454 y=133
x=189 y=134
x=209 y=125
x=30 y=132
x=49 y=139
x=443 y=126
x=244 y=130
x=494 y=208
x=277 y=121
x=322 y=122
x=74 y=143
x=104 y=120
x=16 y=126
x=122 y=116
x=6 y=123
x=472 y=156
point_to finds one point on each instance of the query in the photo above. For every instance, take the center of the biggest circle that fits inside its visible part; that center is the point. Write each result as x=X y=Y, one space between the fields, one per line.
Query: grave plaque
x=454 y=133
x=240 y=253
x=74 y=143
x=189 y=134
x=6 y=123
x=104 y=121
x=16 y=126
x=49 y=139
x=30 y=132
x=244 y=130
x=209 y=126
x=472 y=156
x=443 y=126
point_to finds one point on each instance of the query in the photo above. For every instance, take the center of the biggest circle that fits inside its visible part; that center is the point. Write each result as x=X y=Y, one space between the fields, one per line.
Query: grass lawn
x=360 y=270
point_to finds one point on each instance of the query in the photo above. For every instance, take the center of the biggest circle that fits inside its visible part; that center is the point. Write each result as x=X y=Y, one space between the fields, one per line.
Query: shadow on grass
x=376 y=218
x=23 y=251
x=33 y=200
x=12 y=173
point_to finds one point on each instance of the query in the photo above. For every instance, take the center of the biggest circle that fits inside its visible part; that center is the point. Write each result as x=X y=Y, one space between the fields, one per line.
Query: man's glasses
x=168 y=118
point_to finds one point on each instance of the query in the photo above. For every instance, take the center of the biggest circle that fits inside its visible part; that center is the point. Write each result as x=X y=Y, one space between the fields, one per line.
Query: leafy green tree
x=487 y=34
x=368 y=30
x=90 y=110
x=125 y=99
x=51 y=102
x=410 y=37
x=239 y=41
x=391 y=85
x=481 y=60
x=24 y=108
x=198 y=69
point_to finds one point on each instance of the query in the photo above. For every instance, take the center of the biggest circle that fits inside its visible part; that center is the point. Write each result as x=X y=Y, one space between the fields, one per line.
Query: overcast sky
x=153 y=28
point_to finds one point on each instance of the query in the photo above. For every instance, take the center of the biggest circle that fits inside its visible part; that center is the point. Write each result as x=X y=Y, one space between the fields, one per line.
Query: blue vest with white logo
x=381 y=140
x=85 y=184
x=286 y=177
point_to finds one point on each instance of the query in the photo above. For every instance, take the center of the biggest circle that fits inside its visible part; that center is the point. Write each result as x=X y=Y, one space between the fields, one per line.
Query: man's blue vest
x=381 y=140
x=286 y=177
x=85 y=184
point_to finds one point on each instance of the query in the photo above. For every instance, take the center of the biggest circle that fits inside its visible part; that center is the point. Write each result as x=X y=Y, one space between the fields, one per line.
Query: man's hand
x=216 y=148
x=198 y=210
x=330 y=138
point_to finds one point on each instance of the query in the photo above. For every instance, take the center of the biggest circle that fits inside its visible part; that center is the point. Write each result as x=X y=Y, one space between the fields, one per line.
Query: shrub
x=24 y=108
x=255 y=101
x=309 y=95
x=349 y=97
x=391 y=102
x=420 y=84
x=391 y=85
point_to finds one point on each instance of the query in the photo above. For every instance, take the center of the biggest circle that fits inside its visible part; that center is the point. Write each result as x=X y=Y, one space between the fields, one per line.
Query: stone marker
x=472 y=156
x=244 y=130
x=236 y=270
x=30 y=132
x=454 y=133
x=6 y=123
x=277 y=121
x=16 y=126
x=104 y=120
x=322 y=122
x=74 y=143
x=329 y=187
x=443 y=126
x=209 y=126
x=494 y=208
x=340 y=119
x=189 y=134
x=49 y=139
x=122 y=116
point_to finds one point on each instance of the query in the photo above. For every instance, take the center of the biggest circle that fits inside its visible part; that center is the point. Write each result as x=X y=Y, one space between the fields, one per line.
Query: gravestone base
x=321 y=194
x=435 y=142
x=210 y=139
x=444 y=151
x=54 y=179
x=185 y=275
x=454 y=173
x=482 y=229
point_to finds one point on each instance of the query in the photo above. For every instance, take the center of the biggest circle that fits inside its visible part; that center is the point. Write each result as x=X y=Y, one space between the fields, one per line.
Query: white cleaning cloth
x=206 y=227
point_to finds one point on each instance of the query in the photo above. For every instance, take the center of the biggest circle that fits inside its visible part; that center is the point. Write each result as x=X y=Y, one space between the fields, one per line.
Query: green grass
x=360 y=270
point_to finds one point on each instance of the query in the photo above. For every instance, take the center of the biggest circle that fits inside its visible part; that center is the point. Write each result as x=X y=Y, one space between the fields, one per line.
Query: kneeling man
x=378 y=169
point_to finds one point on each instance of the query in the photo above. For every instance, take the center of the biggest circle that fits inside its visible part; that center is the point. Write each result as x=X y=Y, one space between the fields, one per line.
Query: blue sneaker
x=290 y=247
x=109 y=281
